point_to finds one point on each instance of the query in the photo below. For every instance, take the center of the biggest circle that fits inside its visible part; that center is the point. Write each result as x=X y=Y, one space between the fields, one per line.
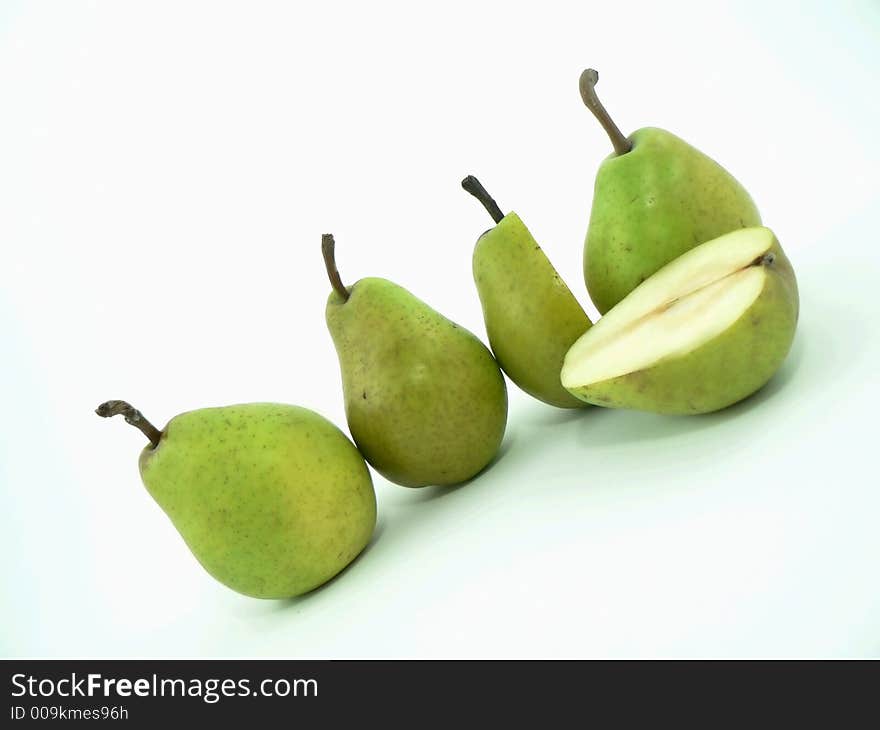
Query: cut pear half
x=705 y=331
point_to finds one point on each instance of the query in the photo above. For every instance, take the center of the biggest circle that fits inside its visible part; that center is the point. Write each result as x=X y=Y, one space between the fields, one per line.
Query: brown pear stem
x=328 y=248
x=589 y=79
x=475 y=188
x=133 y=416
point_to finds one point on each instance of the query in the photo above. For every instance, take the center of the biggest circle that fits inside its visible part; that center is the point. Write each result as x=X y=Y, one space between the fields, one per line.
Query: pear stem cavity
x=589 y=79
x=328 y=248
x=133 y=416
x=475 y=188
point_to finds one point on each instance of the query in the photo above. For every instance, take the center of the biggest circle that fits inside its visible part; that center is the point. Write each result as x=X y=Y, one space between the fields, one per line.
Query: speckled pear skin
x=724 y=370
x=531 y=316
x=273 y=500
x=425 y=400
x=651 y=205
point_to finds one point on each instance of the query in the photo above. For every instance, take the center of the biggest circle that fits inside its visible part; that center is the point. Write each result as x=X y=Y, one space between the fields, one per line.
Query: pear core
x=685 y=304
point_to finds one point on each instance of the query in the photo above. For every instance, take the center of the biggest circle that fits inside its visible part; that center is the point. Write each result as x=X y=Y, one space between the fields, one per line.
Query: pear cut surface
x=684 y=305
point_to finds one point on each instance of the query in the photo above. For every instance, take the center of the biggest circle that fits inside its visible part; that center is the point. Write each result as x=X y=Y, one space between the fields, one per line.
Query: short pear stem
x=328 y=248
x=133 y=416
x=475 y=188
x=589 y=79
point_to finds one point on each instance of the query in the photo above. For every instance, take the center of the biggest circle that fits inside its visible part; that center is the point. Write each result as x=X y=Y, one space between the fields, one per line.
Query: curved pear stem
x=328 y=248
x=133 y=416
x=475 y=188
x=589 y=79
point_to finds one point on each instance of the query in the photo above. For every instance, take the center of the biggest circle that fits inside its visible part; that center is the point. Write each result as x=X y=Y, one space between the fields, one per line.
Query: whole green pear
x=704 y=332
x=425 y=400
x=531 y=316
x=655 y=197
x=273 y=500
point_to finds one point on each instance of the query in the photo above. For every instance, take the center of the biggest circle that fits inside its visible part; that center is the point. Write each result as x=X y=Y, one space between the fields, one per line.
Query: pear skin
x=531 y=316
x=425 y=400
x=273 y=500
x=650 y=206
x=655 y=197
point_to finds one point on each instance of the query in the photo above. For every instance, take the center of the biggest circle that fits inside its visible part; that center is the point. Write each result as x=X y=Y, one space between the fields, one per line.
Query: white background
x=166 y=170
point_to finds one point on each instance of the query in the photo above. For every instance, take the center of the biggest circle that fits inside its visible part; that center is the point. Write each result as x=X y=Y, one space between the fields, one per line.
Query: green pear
x=531 y=316
x=425 y=400
x=655 y=198
x=704 y=332
x=273 y=500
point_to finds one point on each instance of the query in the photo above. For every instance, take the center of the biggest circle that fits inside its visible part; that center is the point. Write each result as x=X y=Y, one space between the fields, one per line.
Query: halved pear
x=705 y=331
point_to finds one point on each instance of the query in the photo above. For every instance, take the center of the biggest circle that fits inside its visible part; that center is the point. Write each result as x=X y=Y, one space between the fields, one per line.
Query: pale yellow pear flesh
x=705 y=331
x=531 y=316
